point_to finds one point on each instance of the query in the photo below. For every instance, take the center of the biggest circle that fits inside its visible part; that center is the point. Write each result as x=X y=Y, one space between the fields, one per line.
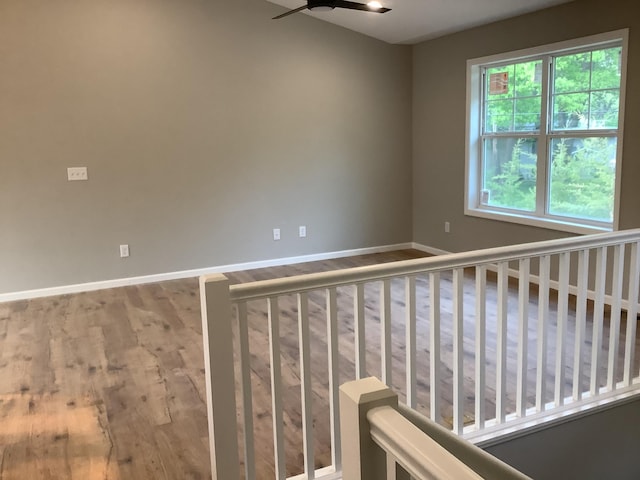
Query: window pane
x=527 y=116
x=528 y=79
x=570 y=111
x=604 y=109
x=512 y=101
x=499 y=116
x=587 y=90
x=509 y=173
x=605 y=68
x=572 y=73
x=583 y=177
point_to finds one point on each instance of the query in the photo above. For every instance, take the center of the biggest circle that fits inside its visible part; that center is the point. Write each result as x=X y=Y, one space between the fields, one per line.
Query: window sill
x=533 y=221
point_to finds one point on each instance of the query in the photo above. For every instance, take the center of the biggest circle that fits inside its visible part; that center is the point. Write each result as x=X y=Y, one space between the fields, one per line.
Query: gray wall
x=204 y=124
x=439 y=86
x=599 y=446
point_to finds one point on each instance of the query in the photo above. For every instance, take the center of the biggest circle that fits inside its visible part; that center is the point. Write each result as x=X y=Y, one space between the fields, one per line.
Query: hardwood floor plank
x=58 y=439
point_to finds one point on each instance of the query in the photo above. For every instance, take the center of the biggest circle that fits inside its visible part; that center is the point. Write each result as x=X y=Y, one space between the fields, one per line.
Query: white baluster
x=385 y=331
x=304 y=343
x=276 y=388
x=410 y=339
x=614 y=322
x=333 y=356
x=581 y=323
x=359 y=331
x=543 y=321
x=434 y=347
x=501 y=344
x=247 y=397
x=598 y=319
x=481 y=345
x=561 y=328
x=458 y=350
x=391 y=467
x=523 y=335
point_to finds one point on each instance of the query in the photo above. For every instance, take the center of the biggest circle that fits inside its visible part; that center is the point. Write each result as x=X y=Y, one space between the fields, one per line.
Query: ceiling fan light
x=374 y=5
x=321 y=8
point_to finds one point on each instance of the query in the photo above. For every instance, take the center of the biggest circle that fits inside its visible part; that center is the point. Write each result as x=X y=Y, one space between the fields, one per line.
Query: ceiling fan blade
x=290 y=12
x=358 y=6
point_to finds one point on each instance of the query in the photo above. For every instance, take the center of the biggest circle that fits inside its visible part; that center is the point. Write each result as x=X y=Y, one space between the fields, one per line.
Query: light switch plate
x=77 y=173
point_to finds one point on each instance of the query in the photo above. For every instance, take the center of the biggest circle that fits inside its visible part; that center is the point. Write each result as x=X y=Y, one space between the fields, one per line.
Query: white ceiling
x=412 y=21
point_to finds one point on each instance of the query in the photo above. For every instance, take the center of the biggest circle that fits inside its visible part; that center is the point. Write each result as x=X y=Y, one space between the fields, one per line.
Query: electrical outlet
x=124 y=251
x=447 y=227
x=302 y=231
x=77 y=173
x=276 y=234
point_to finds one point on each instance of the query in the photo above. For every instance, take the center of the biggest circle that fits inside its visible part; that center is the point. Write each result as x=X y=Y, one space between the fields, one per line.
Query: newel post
x=362 y=459
x=215 y=305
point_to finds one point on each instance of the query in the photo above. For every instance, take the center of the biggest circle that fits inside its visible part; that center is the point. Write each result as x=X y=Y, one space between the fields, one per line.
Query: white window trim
x=473 y=134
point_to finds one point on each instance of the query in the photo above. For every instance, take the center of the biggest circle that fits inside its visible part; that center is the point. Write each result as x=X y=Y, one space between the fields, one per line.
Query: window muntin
x=548 y=139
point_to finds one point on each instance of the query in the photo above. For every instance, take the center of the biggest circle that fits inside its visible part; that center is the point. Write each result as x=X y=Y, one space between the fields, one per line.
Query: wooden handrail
x=314 y=281
x=420 y=455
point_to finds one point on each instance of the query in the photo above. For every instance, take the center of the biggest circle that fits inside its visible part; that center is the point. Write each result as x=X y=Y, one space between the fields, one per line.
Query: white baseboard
x=160 y=277
x=428 y=249
x=555 y=285
x=534 y=279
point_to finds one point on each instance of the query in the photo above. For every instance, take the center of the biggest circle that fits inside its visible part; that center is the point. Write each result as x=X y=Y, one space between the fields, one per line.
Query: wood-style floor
x=110 y=384
x=104 y=385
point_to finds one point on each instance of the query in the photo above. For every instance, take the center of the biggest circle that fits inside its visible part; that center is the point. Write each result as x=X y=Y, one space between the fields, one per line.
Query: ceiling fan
x=326 y=5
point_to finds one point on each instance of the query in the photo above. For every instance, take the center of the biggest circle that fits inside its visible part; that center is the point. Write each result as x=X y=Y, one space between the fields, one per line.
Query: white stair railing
x=371 y=419
x=523 y=361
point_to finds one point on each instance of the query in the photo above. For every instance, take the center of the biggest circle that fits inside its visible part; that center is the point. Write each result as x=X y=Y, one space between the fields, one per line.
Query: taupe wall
x=204 y=124
x=602 y=445
x=439 y=86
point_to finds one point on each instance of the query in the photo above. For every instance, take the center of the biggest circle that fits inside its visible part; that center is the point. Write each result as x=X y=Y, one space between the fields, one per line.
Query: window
x=544 y=134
